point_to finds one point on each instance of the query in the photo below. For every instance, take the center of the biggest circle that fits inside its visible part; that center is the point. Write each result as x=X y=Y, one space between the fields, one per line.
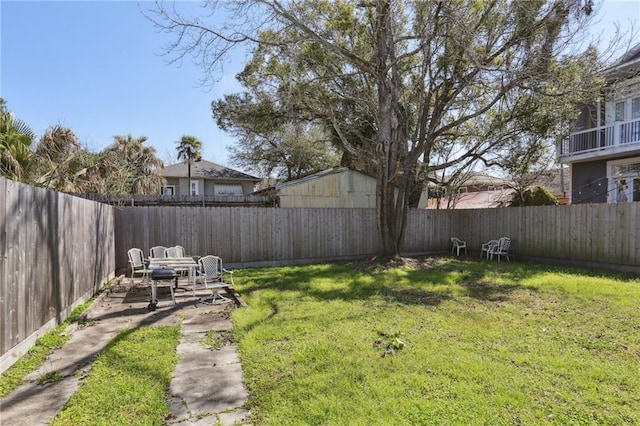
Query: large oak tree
x=417 y=75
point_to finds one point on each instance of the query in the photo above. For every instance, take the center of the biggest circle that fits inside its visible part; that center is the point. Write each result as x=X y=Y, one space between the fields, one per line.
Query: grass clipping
x=129 y=381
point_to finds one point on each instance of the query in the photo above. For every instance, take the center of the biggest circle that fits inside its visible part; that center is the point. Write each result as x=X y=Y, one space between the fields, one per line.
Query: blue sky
x=96 y=67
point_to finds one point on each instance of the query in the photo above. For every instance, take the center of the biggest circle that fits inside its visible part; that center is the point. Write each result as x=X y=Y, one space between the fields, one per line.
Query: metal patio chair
x=212 y=275
x=501 y=249
x=138 y=264
x=176 y=252
x=158 y=251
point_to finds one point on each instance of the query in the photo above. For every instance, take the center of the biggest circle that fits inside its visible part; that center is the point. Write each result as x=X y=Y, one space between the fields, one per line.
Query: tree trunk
x=189 y=176
x=390 y=198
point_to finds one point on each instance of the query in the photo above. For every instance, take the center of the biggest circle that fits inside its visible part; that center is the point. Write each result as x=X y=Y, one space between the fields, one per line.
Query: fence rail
x=183 y=200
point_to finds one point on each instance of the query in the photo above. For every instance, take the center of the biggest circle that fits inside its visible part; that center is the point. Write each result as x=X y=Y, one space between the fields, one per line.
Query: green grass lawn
x=441 y=342
x=128 y=383
x=44 y=346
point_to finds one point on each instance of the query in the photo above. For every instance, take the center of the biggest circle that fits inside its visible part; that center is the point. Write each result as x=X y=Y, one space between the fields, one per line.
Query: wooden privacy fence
x=56 y=250
x=245 y=236
x=248 y=235
x=603 y=234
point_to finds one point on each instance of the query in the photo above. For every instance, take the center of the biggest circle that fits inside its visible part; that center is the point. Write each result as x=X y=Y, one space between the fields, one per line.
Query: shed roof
x=335 y=170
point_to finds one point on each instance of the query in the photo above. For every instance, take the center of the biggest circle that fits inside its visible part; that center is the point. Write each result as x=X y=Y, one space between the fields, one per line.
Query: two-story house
x=207 y=178
x=604 y=150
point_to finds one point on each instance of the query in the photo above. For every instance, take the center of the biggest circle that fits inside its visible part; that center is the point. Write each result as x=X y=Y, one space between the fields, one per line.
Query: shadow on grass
x=427 y=282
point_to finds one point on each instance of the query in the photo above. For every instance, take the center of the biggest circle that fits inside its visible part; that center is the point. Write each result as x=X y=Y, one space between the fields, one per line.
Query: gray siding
x=589 y=182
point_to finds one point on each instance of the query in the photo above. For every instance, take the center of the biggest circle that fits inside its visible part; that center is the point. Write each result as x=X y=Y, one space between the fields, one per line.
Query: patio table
x=177 y=263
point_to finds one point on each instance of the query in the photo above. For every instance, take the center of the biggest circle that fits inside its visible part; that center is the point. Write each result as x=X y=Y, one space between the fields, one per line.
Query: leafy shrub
x=537 y=197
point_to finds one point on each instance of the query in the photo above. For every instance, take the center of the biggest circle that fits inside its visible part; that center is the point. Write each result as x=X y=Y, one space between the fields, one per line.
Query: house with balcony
x=603 y=152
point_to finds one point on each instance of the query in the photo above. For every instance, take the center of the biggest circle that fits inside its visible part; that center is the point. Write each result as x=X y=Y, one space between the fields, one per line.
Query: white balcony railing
x=601 y=138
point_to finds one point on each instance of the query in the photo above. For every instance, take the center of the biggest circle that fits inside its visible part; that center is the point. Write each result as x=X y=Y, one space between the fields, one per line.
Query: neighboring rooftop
x=475 y=179
x=205 y=170
x=475 y=200
x=627 y=62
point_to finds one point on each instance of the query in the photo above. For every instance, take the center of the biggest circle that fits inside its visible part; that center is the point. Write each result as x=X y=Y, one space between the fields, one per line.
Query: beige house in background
x=337 y=187
x=207 y=178
x=342 y=187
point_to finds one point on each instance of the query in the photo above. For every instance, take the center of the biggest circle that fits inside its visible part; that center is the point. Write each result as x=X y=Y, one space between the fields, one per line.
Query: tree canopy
x=189 y=148
x=16 y=138
x=133 y=167
x=268 y=145
x=60 y=162
x=396 y=81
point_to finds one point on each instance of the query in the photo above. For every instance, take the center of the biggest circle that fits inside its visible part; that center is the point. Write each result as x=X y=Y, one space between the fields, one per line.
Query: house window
x=635 y=108
x=169 y=190
x=194 y=188
x=228 y=189
x=628 y=190
x=624 y=180
x=623 y=189
x=619 y=111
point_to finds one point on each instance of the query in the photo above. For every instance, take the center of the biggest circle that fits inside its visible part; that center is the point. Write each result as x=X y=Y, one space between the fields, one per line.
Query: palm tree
x=59 y=160
x=189 y=149
x=135 y=166
x=16 y=138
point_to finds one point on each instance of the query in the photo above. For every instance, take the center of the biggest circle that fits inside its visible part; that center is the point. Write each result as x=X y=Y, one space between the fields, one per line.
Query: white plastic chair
x=158 y=251
x=212 y=274
x=501 y=249
x=486 y=246
x=138 y=264
x=457 y=245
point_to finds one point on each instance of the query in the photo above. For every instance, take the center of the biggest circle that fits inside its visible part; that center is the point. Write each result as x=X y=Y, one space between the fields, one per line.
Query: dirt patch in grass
x=377 y=263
